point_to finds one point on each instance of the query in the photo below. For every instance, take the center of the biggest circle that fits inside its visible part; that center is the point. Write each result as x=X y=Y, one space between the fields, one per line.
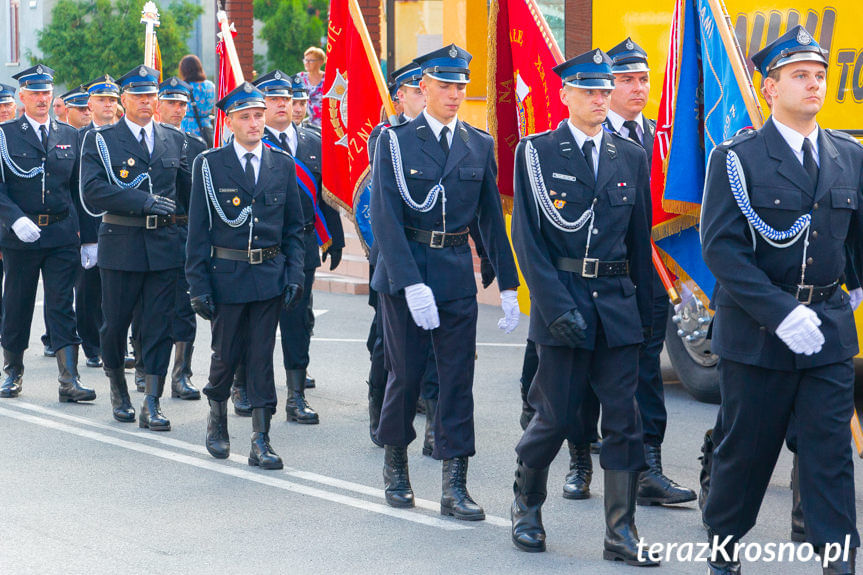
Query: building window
x=14 y=31
x=553 y=11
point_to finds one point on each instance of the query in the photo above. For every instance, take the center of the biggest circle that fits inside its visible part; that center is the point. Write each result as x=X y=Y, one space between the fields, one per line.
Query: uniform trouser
x=757 y=404
x=296 y=325
x=58 y=267
x=562 y=378
x=528 y=366
x=183 y=323
x=88 y=309
x=121 y=291
x=650 y=393
x=406 y=354
x=244 y=330
x=378 y=373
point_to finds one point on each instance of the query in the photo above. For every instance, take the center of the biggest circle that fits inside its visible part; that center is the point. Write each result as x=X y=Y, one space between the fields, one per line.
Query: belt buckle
x=151 y=222
x=437 y=239
x=256 y=256
x=589 y=268
x=42 y=220
x=809 y=290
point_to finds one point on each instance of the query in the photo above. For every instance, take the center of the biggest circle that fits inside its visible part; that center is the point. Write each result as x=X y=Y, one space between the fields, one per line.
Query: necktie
x=632 y=126
x=43 y=134
x=809 y=162
x=250 y=170
x=587 y=149
x=143 y=140
x=283 y=142
x=444 y=142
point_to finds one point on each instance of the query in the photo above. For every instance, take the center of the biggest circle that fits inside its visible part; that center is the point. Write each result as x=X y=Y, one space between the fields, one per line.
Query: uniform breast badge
x=559 y=204
x=130 y=162
x=124 y=173
x=236 y=201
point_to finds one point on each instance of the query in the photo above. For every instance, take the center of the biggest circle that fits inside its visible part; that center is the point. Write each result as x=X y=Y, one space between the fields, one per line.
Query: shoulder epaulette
x=196 y=138
x=740 y=136
x=209 y=151
x=171 y=126
x=538 y=134
x=279 y=150
x=842 y=135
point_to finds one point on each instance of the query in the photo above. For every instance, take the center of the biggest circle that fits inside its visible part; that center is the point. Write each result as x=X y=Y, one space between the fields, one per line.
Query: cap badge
x=803 y=37
x=597 y=57
x=629 y=44
x=38 y=69
x=173 y=81
x=453 y=52
x=247 y=88
x=142 y=71
x=277 y=76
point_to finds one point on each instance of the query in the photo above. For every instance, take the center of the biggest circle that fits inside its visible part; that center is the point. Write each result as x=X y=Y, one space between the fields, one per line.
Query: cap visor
x=450 y=77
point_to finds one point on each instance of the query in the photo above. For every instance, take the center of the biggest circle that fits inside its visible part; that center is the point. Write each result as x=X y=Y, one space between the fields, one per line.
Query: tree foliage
x=290 y=26
x=88 y=38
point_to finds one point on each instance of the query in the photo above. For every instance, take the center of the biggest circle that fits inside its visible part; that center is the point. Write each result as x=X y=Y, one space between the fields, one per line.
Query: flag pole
x=738 y=62
x=230 y=48
x=150 y=18
x=381 y=84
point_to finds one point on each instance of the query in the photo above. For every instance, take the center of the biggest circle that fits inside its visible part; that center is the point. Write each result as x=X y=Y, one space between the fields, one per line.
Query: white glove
x=856 y=296
x=799 y=330
x=26 y=230
x=88 y=255
x=511 y=313
x=422 y=305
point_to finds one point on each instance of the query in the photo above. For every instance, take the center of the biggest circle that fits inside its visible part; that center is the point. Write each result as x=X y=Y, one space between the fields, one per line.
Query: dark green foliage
x=290 y=26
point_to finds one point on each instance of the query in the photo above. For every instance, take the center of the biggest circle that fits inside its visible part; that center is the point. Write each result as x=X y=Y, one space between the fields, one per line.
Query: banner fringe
x=683 y=278
x=673 y=226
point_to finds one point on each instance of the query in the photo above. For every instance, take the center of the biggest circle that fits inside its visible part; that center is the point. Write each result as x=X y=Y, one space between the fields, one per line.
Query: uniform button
x=256 y=237
x=814 y=234
x=43 y=159
x=595 y=294
x=595 y=231
x=762 y=328
x=47 y=191
x=815 y=207
x=253 y=201
x=256 y=220
x=777 y=201
x=810 y=261
x=848 y=200
x=625 y=198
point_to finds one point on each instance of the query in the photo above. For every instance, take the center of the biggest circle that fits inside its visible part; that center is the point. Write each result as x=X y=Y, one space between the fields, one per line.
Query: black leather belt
x=308 y=228
x=254 y=256
x=437 y=239
x=592 y=268
x=150 y=222
x=43 y=220
x=808 y=294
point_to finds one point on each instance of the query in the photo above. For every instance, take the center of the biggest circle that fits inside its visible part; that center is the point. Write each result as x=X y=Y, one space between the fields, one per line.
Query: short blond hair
x=317 y=52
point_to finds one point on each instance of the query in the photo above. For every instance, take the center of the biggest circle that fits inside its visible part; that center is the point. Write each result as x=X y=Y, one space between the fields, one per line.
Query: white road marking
x=360 y=340
x=319 y=312
x=268 y=478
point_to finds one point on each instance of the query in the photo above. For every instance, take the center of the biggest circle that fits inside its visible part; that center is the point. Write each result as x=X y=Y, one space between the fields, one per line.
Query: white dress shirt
x=256 y=159
x=291 y=134
x=136 y=131
x=581 y=137
x=436 y=127
x=35 y=125
x=795 y=141
x=617 y=123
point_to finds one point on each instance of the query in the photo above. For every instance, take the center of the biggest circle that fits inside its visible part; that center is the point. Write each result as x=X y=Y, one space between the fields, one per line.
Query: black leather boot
x=239 y=398
x=121 y=404
x=723 y=567
x=13 y=367
x=530 y=491
x=840 y=567
x=577 y=484
x=262 y=454
x=798 y=530
x=431 y=413
x=706 y=463
x=376 y=403
x=181 y=382
x=621 y=536
x=527 y=412
x=654 y=488
x=455 y=500
x=151 y=416
x=397 y=480
x=218 y=442
x=139 y=365
x=296 y=406
x=71 y=390
x=310 y=381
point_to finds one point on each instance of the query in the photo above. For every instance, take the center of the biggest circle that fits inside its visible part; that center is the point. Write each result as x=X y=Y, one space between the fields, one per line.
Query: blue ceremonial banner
x=707 y=98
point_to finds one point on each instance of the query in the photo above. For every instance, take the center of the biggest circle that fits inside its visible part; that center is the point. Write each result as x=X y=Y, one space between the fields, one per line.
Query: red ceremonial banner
x=354 y=91
x=523 y=91
x=226 y=83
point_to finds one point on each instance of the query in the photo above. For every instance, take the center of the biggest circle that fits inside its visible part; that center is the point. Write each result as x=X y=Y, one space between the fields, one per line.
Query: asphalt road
x=83 y=494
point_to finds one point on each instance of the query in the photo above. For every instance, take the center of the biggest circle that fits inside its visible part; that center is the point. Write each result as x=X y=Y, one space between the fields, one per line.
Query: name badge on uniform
x=565 y=177
x=227 y=190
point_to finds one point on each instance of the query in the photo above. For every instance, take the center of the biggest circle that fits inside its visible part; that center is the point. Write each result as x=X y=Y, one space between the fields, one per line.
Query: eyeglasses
x=312 y=60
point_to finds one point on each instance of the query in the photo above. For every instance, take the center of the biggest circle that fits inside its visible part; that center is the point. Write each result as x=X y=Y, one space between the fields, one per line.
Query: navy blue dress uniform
x=653 y=487
x=764 y=279
x=583 y=241
x=88 y=285
x=137 y=175
x=183 y=323
x=244 y=262
x=296 y=324
x=7 y=99
x=414 y=178
x=409 y=76
x=38 y=175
